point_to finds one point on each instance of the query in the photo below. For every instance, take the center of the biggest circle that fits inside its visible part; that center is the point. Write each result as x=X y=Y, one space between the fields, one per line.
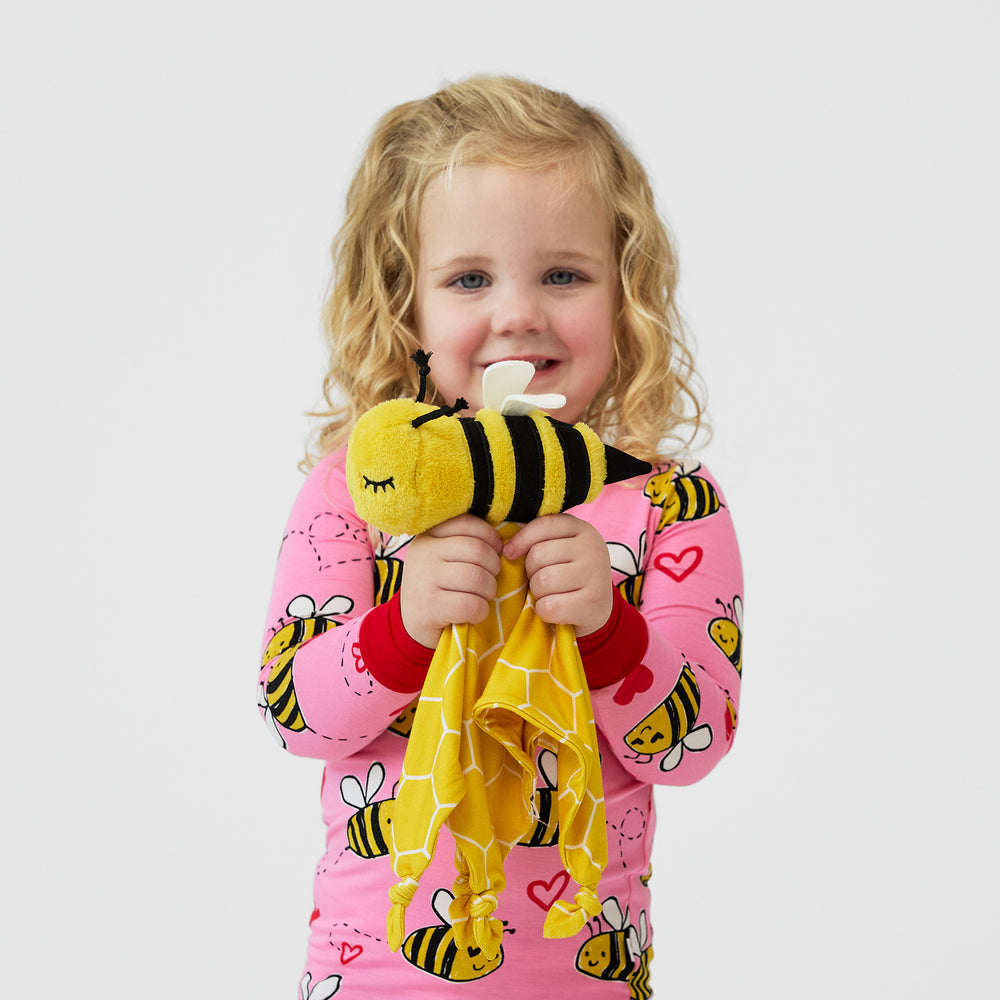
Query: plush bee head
x=406 y=476
x=411 y=465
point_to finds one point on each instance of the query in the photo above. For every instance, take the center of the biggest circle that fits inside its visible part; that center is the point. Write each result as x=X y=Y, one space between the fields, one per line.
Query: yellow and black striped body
x=368 y=830
x=280 y=693
x=388 y=578
x=631 y=589
x=545 y=832
x=526 y=466
x=682 y=497
x=433 y=949
x=606 y=956
x=410 y=466
x=670 y=721
x=639 y=982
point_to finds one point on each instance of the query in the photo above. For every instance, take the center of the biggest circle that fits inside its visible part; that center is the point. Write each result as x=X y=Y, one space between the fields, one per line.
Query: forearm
x=672 y=717
x=315 y=688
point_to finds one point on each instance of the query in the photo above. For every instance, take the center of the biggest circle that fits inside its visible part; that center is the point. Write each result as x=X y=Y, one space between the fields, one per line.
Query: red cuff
x=617 y=648
x=395 y=659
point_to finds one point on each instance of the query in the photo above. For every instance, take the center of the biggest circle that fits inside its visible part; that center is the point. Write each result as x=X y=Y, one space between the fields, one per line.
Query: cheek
x=593 y=330
x=450 y=331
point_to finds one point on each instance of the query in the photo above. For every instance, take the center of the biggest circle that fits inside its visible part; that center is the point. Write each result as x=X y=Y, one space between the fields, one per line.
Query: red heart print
x=544 y=894
x=639 y=680
x=686 y=563
x=349 y=952
x=314 y=917
x=359 y=664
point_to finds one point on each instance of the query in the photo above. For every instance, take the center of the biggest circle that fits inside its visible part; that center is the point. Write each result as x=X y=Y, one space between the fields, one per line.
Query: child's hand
x=450 y=577
x=569 y=571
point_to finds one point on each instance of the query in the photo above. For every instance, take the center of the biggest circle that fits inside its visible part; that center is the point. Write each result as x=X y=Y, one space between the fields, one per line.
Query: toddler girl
x=499 y=220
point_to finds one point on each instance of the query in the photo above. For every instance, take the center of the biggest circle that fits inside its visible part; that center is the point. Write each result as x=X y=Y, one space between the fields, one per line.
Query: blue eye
x=561 y=278
x=470 y=282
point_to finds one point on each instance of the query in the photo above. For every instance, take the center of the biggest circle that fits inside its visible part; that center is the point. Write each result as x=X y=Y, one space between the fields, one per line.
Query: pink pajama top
x=339 y=681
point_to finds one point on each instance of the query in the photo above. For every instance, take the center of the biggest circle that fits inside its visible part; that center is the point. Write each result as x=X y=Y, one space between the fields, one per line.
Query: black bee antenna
x=422 y=359
x=442 y=411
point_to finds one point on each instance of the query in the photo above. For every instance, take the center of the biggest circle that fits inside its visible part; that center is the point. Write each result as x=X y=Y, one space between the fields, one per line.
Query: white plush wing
x=503 y=390
x=519 y=405
x=505 y=378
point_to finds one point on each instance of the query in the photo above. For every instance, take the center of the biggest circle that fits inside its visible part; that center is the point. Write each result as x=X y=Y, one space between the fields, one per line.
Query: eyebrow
x=473 y=261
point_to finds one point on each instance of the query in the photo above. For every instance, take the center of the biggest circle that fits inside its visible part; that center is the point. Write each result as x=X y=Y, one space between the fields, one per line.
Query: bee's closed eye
x=382 y=484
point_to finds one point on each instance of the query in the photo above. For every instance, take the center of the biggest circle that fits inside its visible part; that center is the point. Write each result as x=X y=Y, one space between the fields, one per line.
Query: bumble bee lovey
x=499 y=692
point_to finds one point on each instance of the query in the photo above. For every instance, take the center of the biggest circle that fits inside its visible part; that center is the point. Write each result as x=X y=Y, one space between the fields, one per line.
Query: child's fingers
x=468 y=526
x=461 y=550
x=547 y=528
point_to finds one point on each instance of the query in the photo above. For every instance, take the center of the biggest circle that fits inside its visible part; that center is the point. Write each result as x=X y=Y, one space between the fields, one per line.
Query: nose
x=518 y=311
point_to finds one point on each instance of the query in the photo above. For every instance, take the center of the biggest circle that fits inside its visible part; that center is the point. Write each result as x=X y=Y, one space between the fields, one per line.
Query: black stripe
x=361 y=829
x=674 y=716
x=576 y=458
x=482 y=465
x=437 y=936
x=529 y=468
x=544 y=815
x=376 y=825
x=298 y=633
x=614 y=968
x=684 y=495
x=704 y=499
x=689 y=693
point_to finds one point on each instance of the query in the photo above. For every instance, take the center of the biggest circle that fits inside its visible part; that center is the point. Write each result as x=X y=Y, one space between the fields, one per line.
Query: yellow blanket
x=495 y=695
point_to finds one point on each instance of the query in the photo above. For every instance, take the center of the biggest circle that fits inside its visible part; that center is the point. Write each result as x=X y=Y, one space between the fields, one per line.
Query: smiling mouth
x=540 y=364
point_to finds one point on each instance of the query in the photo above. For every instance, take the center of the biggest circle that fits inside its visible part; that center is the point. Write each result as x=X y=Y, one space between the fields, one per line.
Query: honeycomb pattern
x=495 y=695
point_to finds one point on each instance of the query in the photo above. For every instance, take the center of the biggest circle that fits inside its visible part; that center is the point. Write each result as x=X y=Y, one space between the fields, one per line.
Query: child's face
x=512 y=266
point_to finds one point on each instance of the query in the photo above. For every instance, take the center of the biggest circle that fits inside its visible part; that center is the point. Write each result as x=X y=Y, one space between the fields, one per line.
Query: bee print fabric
x=326 y=693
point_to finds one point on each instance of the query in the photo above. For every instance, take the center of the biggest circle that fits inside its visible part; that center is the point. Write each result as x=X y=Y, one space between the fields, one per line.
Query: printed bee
x=670 y=721
x=629 y=564
x=388 y=569
x=368 y=830
x=322 y=990
x=279 y=701
x=433 y=949
x=610 y=954
x=545 y=832
x=411 y=465
x=639 y=984
x=731 y=717
x=403 y=722
x=682 y=495
x=727 y=631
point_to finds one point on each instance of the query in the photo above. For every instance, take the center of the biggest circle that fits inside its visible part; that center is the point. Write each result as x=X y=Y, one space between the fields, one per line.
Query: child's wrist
x=390 y=654
x=616 y=648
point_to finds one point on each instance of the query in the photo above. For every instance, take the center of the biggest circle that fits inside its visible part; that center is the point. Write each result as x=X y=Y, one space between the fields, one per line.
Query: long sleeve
x=673 y=716
x=315 y=689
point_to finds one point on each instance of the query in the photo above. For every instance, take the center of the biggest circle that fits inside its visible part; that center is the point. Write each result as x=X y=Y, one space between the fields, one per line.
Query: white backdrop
x=171 y=177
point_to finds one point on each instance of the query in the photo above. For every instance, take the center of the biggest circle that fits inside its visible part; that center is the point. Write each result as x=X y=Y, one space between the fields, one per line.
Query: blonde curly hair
x=652 y=392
